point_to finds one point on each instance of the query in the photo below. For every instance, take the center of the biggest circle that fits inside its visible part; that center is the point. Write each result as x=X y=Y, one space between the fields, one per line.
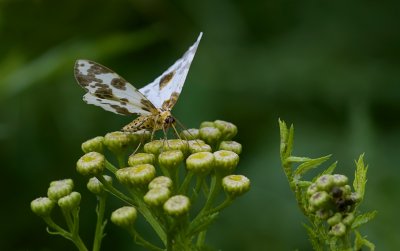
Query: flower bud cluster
x=330 y=198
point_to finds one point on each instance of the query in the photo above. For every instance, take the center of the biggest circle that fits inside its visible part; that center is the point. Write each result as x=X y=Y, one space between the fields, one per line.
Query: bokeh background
x=329 y=67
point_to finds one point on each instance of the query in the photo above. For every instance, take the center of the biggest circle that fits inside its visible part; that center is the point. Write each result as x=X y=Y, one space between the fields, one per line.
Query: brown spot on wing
x=148 y=105
x=119 y=83
x=169 y=103
x=121 y=110
x=166 y=79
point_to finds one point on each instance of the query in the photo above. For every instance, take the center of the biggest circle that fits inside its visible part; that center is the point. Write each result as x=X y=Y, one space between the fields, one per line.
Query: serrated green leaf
x=308 y=165
x=360 y=176
x=315 y=243
x=360 y=241
x=292 y=159
x=362 y=219
x=304 y=184
x=329 y=170
x=286 y=140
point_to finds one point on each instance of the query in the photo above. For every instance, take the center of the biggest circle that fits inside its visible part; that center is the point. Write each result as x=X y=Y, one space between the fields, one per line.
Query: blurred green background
x=331 y=68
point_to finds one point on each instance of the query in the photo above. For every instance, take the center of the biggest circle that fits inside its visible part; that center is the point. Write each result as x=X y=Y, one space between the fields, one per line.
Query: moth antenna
x=185 y=129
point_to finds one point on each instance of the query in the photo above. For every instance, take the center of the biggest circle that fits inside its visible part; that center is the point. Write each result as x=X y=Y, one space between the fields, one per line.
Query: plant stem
x=98 y=236
x=141 y=241
x=111 y=167
x=115 y=192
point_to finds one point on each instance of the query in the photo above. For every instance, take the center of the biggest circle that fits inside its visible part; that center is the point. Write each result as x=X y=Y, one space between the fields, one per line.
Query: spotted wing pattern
x=164 y=91
x=110 y=91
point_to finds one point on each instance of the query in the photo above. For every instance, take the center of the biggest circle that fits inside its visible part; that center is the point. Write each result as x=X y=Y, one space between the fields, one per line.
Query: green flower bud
x=170 y=159
x=42 y=206
x=139 y=136
x=96 y=187
x=348 y=219
x=320 y=199
x=176 y=144
x=177 y=205
x=160 y=181
x=141 y=158
x=225 y=161
x=231 y=146
x=91 y=164
x=227 y=129
x=312 y=189
x=323 y=214
x=68 y=182
x=70 y=202
x=59 y=189
x=339 y=180
x=190 y=134
x=235 y=185
x=117 y=142
x=336 y=192
x=355 y=197
x=93 y=145
x=210 y=135
x=154 y=147
x=324 y=182
x=338 y=230
x=346 y=190
x=201 y=162
x=207 y=124
x=198 y=145
x=335 y=219
x=124 y=217
x=157 y=196
x=137 y=175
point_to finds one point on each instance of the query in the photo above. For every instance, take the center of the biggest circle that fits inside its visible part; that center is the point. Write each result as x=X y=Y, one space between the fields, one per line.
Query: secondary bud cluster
x=330 y=198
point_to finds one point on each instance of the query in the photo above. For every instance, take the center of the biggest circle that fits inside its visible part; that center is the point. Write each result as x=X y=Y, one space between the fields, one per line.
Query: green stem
x=111 y=167
x=141 y=241
x=121 y=160
x=197 y=188
x=115 y=192
x=228 y=200
x=98 y=236
x=185 y=184
x=75 y=239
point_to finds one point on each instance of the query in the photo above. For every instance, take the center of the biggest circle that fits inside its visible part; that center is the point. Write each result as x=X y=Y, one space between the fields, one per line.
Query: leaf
x=363 y=218
x=360 y=177
x=201 y=224
x=329 y=170
x=297 y=159
x=315 y=243
x=308 y=165
x=286 y=140
x=360 y=241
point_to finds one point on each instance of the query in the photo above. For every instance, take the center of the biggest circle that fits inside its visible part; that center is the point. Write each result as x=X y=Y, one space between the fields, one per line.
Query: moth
x=153 y=103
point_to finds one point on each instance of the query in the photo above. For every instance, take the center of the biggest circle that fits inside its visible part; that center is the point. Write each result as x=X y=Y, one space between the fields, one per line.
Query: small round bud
x=117 y=142
x=170 y=159
x=338 y=230
x=225 y=161
x=93 y=145
x=235 y=185
x=346 y=190
x=153 y=147
x=59 y=189
x=141 y=158
x=348 y=219
x=198 y=145
x=177 y=205
x=312 y=189
x=323 y=214
x=42 y=206
x=201 y=162
x=335 y=219
x=231 y=146
x=319 y=199
x=324 y=182
x=68 y=182
x=336 y=192
x=176 y=144
x=210 y=135
x=339 y=180
x=157 y=196
x=190 y=134
x=160 y=181
x=355 y=197
x=69 y=202
x=207 y=124
x=137 y=175
x=96 y=187
x=124 y=217
x=91 y=164
x=227 y=129
x=139 y=136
